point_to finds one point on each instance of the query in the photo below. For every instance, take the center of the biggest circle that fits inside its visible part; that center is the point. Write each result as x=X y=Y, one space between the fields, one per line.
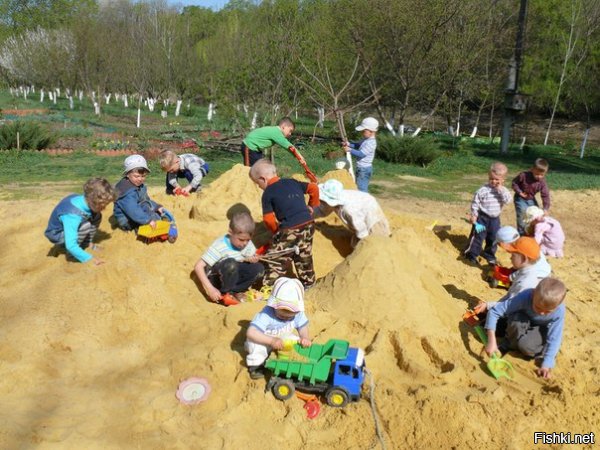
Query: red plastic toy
x=500 y=277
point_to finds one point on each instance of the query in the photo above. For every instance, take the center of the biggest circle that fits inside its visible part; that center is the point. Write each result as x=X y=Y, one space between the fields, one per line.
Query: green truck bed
x=316 y=369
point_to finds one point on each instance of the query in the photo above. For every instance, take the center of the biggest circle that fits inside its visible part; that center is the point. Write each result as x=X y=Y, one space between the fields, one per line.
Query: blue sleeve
x=354 y=145
x=261 y=321
x=554 y=338
x=132 y=208
x=300 y=320
x=357 y=153
x=502 y=309
x=71 y=224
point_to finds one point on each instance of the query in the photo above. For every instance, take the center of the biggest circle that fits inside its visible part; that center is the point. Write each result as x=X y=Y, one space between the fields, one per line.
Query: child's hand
x=252 y=259
x=544 y=372
x=305 y=342
x=277 y=344
x=481 y=307
x=161 y=210
x=523 y=195
x=152 y=224
x=97 y=261
x=491 y=348
x=311 y=210
x=186 y=190
x=213 y=294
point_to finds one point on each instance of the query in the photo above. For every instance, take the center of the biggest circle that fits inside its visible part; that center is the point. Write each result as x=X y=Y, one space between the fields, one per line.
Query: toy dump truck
x=334 y=369
x=165 y=229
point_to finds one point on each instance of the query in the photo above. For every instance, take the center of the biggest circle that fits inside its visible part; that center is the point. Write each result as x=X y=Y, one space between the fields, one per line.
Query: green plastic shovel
x=497 y=366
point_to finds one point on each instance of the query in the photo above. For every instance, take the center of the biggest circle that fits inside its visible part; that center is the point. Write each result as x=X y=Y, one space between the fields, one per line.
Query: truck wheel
x=283 y=389
x=493 y=283
x=337 y=398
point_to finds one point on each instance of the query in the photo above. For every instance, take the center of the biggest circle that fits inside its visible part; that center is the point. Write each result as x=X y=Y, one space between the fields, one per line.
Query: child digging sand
x=486 y=207
x=230 y=265
x=275 y=323
x=546 y=231
x=534 y=324
x=75 y=220
x=188 y=166
x=287 y=216
x=134 y=207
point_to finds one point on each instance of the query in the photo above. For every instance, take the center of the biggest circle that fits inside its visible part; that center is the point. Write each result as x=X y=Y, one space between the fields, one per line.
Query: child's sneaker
x=229 y=300
x=256 y=372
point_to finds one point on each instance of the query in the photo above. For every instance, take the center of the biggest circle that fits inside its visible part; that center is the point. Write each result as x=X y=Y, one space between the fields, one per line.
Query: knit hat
x=526 y=246
x=507 y=235
x=287 y=293
x=532 y=213
x=134 y=162
x=368 y=123
x=331 y=192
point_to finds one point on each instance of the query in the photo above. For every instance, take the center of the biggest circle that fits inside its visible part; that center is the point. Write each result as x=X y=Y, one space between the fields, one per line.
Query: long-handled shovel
x=309 y=173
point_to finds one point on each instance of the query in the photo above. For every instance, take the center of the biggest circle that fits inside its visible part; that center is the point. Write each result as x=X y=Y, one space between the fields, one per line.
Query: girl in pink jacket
x=546 y=231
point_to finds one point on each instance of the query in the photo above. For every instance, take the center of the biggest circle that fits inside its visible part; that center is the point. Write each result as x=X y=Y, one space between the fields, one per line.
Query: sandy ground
x=91 y=357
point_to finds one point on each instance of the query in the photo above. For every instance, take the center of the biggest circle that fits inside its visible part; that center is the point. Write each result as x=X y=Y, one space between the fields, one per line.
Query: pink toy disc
x=193 y=391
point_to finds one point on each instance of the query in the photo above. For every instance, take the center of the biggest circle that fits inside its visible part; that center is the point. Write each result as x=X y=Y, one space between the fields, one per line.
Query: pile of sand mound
x=90 y=357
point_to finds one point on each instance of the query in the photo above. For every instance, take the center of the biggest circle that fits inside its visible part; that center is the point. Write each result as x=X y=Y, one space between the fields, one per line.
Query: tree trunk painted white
x=585 y=138
x=80 y=95
x=211 y=111
x=321 y=116
x=50 y=95
x=107 y=98
x=523 y=143
x=151 y=103
x=139 y=117
x=474 y=132
x=25 y=92
x=93 y=96
x=33 y=89
x=71 y=102
x=450 y=130
x=54 y=97
x=96 y=108
x=417 y=131
x=178 y=108
x=245 y=107
x=401 y=129
x=57 y=90
x=390 y=128
x=254 y=119
x=457 y=129
x=125 y=101
x=163 y=114
x=42 y=93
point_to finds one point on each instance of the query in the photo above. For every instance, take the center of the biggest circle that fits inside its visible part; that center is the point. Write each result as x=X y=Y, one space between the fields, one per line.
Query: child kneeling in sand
x=230 y=265
x=134 y=207
x=275 y=323
x=534 y=323
x=188 y=166
x=358 y=210
x=75 y=220
x=545 y=230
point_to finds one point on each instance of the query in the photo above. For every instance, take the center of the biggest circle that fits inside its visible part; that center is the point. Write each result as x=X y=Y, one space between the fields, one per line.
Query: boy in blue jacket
x=75 y=220
x=535 y=320
x=133 y=206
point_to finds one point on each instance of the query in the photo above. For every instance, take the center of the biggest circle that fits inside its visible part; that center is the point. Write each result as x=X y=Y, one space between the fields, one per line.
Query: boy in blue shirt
x=287 y=216
x=275 y=323
x=75 y=220
x=133 y=206
x=364 y=152
x=534 y=323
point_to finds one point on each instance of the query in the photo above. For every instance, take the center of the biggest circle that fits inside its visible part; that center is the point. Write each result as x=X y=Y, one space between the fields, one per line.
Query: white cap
x=287 y=293
x=134 y=162
x=331 y=192
x=368 y=123
x=507 y=235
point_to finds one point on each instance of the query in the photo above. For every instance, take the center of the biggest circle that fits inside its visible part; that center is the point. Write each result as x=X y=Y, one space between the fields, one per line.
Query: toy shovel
x=497 y=366
x=311 y=405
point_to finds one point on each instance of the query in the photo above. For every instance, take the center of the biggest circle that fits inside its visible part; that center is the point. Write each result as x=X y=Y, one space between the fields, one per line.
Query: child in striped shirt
x=486 y=207
x=188 y=166
x=364 y=152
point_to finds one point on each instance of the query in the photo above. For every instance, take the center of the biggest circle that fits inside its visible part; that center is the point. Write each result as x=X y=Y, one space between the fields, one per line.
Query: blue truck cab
x=349 y=372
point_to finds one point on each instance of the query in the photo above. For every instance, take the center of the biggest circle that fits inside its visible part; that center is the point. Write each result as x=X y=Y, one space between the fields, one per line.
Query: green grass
x=459 y=171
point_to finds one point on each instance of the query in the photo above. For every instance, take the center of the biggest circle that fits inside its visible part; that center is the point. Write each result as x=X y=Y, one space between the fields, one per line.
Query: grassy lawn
x=454 y=176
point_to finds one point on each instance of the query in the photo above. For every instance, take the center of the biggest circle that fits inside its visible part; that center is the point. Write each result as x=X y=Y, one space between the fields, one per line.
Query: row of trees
x=422 y=58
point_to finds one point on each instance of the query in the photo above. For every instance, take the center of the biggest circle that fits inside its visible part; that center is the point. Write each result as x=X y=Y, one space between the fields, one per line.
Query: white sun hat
x=532 y=213
x=331 y=192
x=507 y=235
x=368 y=123
x=287 y=293
x=134 y=162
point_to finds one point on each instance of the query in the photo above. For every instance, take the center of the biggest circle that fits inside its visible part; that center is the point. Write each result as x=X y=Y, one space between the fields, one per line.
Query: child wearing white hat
x=546 y=230
x=358 y=210
x=133 y=206
x=364 y=152
x=275 y=323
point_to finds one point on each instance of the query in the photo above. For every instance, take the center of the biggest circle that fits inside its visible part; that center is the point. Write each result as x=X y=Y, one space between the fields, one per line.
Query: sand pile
x=90 y=357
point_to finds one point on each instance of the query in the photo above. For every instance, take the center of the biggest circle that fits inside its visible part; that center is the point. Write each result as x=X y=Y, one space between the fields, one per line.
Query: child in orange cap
x=276 y=322
x=525 y=252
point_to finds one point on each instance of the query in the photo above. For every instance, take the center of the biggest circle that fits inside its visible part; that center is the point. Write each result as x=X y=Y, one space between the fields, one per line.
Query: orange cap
x=526 y=246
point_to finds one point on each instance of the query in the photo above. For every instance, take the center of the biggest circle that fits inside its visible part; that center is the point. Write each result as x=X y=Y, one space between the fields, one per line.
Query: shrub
x=32 y=136
x=419 y=151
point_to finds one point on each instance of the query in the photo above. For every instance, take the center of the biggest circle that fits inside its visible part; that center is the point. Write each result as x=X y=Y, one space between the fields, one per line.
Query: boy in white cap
x=364 y=152
x=133 y=206
x=358 y=210
x=275 y=323
x=546 y=230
